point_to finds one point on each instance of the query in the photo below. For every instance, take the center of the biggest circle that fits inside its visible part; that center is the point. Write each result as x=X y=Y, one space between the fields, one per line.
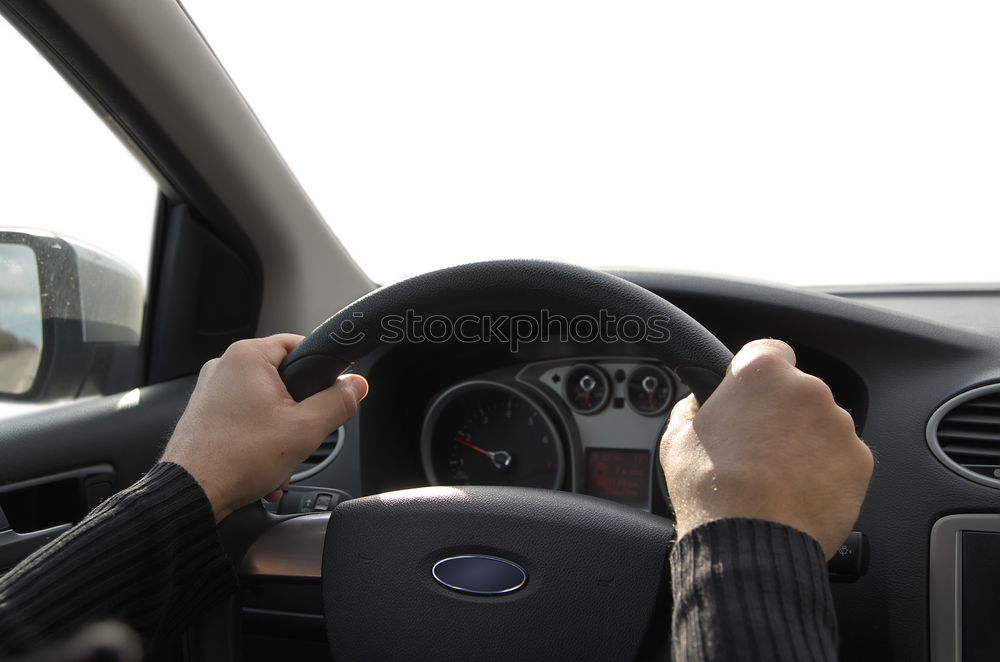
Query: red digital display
x=621 y=476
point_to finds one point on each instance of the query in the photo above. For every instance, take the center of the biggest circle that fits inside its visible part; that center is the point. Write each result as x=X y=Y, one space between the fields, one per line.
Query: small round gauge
x=487 y=433
x=587 y=389
x=650 y=390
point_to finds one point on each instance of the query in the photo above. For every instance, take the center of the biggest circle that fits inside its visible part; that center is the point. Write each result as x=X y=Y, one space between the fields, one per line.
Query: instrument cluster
x=589 y=425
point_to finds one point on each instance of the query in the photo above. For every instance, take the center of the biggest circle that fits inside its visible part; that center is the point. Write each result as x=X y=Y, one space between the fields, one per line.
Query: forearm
x=751 y=590
x=148 y=556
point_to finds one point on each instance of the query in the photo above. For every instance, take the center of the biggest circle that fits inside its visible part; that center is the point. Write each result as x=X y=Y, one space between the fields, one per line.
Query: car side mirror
x=70 y=319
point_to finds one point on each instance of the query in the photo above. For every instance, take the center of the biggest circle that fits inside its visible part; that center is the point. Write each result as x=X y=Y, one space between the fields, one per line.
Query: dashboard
x=583 y=418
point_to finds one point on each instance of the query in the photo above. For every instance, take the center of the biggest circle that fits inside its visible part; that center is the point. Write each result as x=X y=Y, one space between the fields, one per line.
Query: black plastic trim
x=207 y=297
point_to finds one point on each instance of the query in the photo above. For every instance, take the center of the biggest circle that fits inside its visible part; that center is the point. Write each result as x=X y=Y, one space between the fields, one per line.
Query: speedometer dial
x=487 y=433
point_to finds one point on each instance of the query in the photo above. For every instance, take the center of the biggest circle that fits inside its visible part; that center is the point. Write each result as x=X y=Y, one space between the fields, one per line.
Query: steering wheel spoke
x=290 y=550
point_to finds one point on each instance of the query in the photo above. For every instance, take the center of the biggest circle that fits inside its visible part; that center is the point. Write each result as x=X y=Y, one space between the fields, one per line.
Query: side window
x=76 y=227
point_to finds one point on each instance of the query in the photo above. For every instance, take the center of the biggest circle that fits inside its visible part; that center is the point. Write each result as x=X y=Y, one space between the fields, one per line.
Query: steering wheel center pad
x=596 y=571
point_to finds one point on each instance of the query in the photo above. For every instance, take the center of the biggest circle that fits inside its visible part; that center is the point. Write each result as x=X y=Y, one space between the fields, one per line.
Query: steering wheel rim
x=431 y=525
x=514 y=286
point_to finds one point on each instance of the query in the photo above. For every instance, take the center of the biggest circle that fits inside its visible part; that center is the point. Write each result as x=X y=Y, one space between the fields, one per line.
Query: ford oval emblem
x=479 y=574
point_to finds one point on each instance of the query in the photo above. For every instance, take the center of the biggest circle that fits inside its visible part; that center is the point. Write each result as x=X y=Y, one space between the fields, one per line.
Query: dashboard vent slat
x=964 y=433
x=985 y=404
x=969 y=435
x=322 y=457
x=971 y=418
x=971 y=451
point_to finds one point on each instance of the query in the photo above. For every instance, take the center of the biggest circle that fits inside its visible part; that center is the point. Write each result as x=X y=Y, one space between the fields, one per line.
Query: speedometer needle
x=501 y=459
x=473 y=447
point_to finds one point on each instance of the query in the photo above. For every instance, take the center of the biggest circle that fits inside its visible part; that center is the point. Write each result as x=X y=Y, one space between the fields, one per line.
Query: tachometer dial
x=587 y=389
x=487 y=433
x=650 y=390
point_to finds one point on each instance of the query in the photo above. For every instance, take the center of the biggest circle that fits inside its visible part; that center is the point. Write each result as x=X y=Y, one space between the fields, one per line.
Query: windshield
x=805 y=143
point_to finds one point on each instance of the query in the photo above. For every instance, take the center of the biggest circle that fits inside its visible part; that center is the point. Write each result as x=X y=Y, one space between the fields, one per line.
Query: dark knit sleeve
x=749 y=589
x=149 y=556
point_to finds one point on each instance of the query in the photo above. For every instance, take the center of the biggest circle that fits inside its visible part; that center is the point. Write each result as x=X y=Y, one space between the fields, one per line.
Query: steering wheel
x=481 y=573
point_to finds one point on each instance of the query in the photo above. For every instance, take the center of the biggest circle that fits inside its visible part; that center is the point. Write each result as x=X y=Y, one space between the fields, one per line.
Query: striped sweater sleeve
x=749 y=589
x=149 y=556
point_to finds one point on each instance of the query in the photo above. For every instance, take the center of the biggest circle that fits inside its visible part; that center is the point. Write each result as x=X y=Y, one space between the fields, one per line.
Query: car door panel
x=60 y=462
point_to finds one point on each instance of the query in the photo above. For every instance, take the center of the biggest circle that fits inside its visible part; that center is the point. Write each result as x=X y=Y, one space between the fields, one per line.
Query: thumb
x=681 y=416
x=683 y=412
x=332 y=407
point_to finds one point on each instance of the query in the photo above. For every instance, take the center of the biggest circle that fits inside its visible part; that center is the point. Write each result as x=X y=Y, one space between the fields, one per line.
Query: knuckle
x=815 y=390
x=208 y=367
x=240 y=347
x=772 y=345
x=844 y=420
x=243 y=351
x=763 y=363
x=867 y=458
x=762 y=359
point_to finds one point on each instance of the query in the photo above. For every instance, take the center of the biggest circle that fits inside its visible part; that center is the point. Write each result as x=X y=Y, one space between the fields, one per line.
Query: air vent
x=964 y=433
x=322 y=457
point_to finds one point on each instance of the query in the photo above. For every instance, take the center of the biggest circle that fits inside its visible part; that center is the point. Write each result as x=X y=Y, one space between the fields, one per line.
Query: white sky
x=808 y=143
x=795 y=141
x=60 y=168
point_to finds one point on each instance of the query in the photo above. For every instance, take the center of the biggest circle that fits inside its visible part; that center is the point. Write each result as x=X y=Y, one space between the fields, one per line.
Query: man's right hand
x=242 y=435
x=770 y=444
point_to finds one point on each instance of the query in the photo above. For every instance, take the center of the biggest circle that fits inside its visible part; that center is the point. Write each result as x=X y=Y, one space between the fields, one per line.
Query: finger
x=681 y=415
x=766 y=350
x=332 y=407
x=276 y=494
x=287 y=341
x=275 y=348
x=683 y=412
